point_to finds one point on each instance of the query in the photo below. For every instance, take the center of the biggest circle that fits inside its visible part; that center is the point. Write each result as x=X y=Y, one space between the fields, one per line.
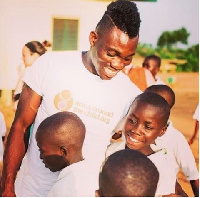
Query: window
x=65 y=34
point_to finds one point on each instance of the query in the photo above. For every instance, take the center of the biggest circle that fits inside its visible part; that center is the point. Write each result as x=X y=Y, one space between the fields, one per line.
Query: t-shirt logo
x=63 y=100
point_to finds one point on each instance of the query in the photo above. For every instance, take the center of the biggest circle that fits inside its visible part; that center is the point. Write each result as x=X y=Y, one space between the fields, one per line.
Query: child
x=196 y=129
x=60 y=140
x=152 y=63
x=175 y=141
x=146 y=120
x=137 y=176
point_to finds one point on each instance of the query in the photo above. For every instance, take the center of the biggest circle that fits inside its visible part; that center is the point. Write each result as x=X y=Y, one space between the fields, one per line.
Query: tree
x=170 y=39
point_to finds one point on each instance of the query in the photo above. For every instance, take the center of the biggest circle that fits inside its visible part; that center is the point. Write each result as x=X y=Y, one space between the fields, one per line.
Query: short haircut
x=162 y=89
x=155 y=58
x=128 y=173
x=63 y=126
x=124 y=15
x=156 y=101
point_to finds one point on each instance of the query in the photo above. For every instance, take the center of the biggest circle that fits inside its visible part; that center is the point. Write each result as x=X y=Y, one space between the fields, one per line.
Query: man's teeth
x=134 y=140
x=110 y=72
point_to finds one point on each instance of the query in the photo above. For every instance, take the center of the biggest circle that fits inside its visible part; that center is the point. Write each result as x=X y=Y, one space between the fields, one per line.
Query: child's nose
x=137 y=130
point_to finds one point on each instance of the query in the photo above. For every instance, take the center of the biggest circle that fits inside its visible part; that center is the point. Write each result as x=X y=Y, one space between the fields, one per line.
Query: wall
x=26 y=20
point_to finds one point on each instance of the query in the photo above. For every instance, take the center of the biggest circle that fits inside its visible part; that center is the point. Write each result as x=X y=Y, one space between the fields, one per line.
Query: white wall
x=26 y=20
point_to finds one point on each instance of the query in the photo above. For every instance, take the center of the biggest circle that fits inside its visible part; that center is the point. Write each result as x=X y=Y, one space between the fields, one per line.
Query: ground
x=186 y=88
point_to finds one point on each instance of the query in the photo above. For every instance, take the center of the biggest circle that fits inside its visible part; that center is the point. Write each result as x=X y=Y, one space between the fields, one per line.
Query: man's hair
x=162 y=89
x=124 y=15
x=128 y=173
x=156 y=101
x=63 y=126
x=155 y=58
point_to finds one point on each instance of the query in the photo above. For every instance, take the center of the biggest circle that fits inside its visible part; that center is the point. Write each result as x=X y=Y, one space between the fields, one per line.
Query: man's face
x=143 y=125
x=50 y=154
x=112 y=52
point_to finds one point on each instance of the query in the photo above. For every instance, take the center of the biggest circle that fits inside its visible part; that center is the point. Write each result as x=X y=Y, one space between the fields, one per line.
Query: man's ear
x=63 y=151
x=93 y=37
x=97 y=194
x=163 y=131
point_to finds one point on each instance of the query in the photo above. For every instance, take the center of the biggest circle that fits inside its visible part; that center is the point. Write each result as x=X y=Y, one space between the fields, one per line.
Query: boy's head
x=146 y=120
x=152 y=63
x=136 y=175
x=60 y=139
x=165 y=91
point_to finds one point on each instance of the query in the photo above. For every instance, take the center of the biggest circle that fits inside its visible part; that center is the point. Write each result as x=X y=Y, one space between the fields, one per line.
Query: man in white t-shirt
x=89 y=84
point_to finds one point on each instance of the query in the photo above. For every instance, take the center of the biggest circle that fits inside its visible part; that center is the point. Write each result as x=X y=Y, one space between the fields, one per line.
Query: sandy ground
x=186 y=88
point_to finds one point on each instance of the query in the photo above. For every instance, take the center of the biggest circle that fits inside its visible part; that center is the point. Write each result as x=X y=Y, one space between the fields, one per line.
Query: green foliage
x=167 y=49
x=191 y=55
x=171 y=39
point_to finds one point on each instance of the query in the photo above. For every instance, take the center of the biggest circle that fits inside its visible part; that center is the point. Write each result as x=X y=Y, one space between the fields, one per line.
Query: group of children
x=146 y=131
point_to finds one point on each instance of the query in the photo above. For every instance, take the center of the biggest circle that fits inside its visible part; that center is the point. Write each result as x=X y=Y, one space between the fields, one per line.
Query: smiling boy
x=146 y=120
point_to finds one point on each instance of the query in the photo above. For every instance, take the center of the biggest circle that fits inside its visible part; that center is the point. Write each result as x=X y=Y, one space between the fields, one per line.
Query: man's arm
x=16 y=145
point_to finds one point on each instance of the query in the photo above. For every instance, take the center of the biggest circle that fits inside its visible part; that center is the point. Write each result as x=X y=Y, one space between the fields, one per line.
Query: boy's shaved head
x=60 y=140
x=63 y=128
x=165 y=91
x=136 y=175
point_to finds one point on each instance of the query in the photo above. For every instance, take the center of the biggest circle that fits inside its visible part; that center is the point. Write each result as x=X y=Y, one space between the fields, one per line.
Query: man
x=89 y=84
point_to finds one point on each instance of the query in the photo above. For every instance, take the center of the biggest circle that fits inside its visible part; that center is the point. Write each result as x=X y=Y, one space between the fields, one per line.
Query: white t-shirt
x=196 y=113
x=164 y=162
x=77 y=180
x=2 y=133
x=159 y=81
x=149 y=78
x=176 y=142
x=66 y=85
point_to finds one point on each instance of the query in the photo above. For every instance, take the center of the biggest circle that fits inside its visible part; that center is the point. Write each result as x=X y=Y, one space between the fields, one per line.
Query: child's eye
x=132 y=121
x=148 y=127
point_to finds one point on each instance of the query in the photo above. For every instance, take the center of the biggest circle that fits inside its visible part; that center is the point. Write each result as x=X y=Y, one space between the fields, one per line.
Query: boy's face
x=112 y=52
x=152 y=66
x=143 y=125
x=50 y=154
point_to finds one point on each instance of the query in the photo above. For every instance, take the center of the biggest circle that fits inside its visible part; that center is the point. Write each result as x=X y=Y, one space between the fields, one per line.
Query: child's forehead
x=152 y=61
x=144 y=106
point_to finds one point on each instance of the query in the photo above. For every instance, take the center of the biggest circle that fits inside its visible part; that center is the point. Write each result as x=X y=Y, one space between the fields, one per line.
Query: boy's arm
x=195 y=187
x=15 y=147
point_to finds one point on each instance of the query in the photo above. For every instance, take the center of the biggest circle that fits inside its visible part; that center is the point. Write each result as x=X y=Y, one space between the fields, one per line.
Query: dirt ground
x=186 y=88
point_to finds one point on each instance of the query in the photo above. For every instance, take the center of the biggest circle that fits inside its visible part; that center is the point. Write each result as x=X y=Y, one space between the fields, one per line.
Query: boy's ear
x=63 y=151
x=93 y=37
x=163 y=131
x=97 y=194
